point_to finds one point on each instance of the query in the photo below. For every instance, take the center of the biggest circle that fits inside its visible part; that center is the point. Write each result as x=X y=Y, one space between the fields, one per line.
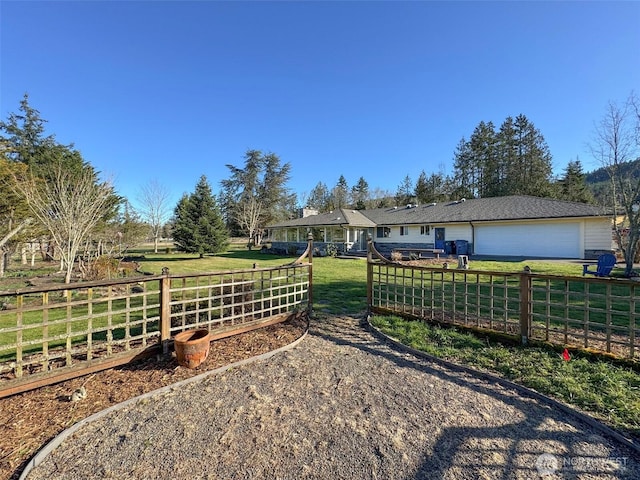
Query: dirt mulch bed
x=341 y=404
x=29 y=420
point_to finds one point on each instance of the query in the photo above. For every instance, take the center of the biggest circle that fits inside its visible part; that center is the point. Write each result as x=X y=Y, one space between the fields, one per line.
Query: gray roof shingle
x=485 y=209
x=516 y=207
x=343 y=216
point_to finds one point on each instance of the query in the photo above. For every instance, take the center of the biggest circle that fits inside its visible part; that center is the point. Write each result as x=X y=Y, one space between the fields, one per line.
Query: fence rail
x=47 y=332
x=592 y=313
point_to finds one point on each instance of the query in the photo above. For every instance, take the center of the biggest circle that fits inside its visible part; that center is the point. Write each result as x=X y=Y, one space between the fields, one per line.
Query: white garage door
x=550 y=240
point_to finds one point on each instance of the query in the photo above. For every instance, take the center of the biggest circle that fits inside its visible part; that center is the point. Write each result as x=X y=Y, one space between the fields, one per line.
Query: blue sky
x=168 y=91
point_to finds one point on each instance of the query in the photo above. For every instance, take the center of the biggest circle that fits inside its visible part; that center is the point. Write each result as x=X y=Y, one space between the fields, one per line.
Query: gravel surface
x=340 y=405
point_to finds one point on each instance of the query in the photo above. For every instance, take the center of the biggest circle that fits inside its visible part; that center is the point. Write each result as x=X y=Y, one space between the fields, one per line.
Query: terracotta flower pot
x=192 y=347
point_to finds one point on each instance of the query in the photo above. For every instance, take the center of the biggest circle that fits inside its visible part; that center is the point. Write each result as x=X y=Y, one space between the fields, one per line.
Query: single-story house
x=515 y=226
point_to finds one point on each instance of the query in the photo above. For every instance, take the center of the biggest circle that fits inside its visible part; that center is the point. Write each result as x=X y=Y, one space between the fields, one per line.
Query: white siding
x=451 y=232
x=542 y=239
x=457 y=232
x=413 y=237
x=598 y=234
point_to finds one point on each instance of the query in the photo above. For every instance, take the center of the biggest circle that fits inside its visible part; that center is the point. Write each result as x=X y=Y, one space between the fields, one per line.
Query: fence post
x=369 y=274
x=310 y=295
x=525 y=305
x=165 y=310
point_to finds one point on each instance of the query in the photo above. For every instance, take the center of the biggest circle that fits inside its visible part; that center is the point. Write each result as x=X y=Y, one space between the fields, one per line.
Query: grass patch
x=339 y=286
x=606 y=390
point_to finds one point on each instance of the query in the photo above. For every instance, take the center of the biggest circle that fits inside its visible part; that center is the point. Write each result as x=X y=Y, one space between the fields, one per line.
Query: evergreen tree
x=433 y=188
x=514 y=161
x=262 y=182
x=421 y=191
x=199 y=227
x=507 y=158
x=405 y=193
x=24 y=134
x=319 y=198
x=340 y=194
x=573 y=186
x=360 y=194
x=466 y=175
x=484 y=158
x=532 y=170
x=277 y=200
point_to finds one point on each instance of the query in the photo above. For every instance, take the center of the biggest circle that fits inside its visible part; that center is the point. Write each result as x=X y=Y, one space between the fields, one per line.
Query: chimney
x=307 y=212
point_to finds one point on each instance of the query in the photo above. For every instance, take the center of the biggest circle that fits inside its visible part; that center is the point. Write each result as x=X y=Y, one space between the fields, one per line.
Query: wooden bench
x=420 y=251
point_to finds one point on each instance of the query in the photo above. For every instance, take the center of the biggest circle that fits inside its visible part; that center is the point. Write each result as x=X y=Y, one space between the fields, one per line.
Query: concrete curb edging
x=62 y=436
x=608 y=431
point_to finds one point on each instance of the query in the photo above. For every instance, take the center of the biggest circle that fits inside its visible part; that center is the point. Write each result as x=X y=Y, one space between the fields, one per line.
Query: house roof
x=342 y=216
x=485 y=209
x=516 y=207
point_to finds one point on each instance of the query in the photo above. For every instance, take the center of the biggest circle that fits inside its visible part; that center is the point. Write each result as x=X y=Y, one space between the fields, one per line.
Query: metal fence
x=49 y=334
x=593 y=313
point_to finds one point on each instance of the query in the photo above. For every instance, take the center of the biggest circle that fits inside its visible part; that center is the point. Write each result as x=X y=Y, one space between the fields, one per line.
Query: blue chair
x=606 y=262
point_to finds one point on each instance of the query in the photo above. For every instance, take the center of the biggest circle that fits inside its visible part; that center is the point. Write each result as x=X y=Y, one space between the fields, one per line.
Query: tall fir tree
x=319 y=198
x=340 y=194
x=532 y=171
x=360 y=194
x=262 y=182
x=466 y=175
x=485 y=159
x=405 y=192
x=573 y=185
x=199 y=227
x=421 y=190
x=513 y=161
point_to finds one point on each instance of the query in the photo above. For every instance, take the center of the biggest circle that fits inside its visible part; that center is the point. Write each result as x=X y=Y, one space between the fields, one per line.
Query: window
x=337 y=234
x=318 y=234
x=425 y=230
x=404 y=230
x=382 y=232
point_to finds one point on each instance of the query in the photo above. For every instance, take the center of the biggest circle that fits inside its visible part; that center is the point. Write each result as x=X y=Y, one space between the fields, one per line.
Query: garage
x=561 y=240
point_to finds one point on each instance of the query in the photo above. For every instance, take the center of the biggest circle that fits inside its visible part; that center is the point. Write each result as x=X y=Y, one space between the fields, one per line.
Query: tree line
x=511 y=160
x=52 y=200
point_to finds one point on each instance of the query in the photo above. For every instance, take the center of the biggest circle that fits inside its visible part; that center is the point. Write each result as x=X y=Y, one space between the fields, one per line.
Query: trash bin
x=462 y=247
x=450 y=247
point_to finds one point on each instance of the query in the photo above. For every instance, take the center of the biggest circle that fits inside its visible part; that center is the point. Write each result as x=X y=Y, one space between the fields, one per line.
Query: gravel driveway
x=340 y=405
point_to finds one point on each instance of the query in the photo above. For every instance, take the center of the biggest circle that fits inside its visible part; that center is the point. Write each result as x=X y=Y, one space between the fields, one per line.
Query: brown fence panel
x=48 y=334
x=463 y=297
x=594 y=313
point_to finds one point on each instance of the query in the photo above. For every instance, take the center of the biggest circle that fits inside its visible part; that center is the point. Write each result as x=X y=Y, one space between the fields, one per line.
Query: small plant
x=396 y=256
x=332 y=250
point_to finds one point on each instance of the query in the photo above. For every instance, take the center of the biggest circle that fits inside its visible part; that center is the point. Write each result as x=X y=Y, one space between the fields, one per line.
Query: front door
x=364 y=236
x=439 y=238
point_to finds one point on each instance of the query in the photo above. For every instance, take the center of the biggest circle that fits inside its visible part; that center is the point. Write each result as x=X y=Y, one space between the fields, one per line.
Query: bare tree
x=155 y=208
x=615 y=144
x=248 y=216
x=5 y=242
x=69 y=205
